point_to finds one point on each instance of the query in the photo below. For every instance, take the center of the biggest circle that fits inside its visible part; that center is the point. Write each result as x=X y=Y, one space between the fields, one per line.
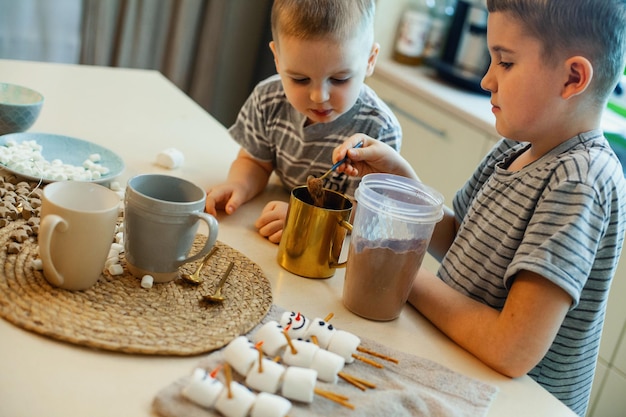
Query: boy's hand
x=272 y=220
x=227 y=197
x=373 y=156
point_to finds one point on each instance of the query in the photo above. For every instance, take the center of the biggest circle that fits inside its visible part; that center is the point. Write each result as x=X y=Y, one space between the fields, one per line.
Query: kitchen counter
x=138 y=113
x=471 y=107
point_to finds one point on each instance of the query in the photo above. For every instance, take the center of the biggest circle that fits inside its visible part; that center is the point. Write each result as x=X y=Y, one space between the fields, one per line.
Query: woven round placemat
x=117 y=314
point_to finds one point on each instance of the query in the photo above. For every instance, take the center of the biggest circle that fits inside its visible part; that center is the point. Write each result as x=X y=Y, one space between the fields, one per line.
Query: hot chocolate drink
x=379 y=275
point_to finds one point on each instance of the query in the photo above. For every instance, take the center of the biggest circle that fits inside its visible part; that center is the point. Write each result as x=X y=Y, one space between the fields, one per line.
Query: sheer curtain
x=214 y=50
x=28 y=32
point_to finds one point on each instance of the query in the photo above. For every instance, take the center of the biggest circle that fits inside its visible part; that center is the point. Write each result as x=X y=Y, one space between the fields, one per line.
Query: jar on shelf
x=413 y=31
x=442 y=14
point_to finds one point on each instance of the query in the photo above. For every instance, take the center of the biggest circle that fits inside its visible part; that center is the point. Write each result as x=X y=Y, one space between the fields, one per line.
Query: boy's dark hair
x=595 y=29
x=313 y=19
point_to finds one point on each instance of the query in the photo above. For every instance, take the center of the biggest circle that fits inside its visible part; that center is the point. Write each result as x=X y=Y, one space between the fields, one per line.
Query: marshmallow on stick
x=309 y=355
x=296 y=383
x=204 y=389
x=265 y=375
x=338 y=341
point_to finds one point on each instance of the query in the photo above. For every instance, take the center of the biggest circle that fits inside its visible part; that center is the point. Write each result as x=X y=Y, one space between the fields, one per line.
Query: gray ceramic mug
x=161 y=217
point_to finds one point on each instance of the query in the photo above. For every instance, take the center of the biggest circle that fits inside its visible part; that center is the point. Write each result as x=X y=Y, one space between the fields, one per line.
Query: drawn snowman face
x=296 y=322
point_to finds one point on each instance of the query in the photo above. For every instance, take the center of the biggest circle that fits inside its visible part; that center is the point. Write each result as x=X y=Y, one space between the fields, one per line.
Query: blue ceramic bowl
x=19 y=108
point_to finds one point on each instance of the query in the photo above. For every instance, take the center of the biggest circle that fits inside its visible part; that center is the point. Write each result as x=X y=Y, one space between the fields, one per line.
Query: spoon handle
x=336 y=164
x=224 y=276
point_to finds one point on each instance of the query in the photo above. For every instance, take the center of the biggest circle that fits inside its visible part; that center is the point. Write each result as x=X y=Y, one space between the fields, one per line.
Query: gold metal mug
x=313 y=236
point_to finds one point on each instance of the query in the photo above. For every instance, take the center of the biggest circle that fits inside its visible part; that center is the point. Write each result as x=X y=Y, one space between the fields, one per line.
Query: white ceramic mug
x=161 y=217
x=77 y=229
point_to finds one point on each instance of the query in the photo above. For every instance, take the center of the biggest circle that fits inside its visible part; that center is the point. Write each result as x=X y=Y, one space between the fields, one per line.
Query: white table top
x=136 y=114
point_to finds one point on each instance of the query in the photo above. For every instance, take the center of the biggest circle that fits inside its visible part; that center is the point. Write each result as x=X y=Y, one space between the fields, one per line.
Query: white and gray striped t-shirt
x=563 y=217
x=271 y=130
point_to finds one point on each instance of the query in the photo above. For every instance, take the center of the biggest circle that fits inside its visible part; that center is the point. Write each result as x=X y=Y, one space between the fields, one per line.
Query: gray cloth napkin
x=414 y=387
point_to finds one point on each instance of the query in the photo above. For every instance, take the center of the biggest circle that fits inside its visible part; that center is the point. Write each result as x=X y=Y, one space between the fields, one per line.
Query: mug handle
x=346 y=225
x=49 y=224
x=210 y=242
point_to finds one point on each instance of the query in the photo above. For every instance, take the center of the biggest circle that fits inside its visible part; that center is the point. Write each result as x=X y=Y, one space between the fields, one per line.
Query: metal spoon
x=336 y=164
x=195 y=277
x=218 y=297
x=315 y=186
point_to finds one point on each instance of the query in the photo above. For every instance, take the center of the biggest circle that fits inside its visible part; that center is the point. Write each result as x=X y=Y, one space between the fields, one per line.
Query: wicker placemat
x=117 y=314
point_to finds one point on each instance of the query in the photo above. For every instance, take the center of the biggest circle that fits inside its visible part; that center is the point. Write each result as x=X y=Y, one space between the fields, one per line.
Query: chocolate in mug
x=313 y=236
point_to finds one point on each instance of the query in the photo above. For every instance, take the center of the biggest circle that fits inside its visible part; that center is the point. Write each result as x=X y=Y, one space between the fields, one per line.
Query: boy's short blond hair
x=315 y=19
x=595 y=29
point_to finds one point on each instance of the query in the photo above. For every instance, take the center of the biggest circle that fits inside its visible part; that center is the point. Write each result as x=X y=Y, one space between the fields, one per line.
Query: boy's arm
x=247 y=177
x=511 y=341
x=250 y=173
x=443 y=234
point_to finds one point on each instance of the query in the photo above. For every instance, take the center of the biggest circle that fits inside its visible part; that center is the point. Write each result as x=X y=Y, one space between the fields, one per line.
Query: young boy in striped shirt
x=530 y=250
x=290 y=124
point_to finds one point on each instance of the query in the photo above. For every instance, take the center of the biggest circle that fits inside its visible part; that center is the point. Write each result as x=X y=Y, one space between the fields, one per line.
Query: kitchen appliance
x=465 y=57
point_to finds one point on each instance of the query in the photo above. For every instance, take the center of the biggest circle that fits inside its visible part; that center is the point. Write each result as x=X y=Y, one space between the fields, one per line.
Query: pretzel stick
x=229 y=378
x=293 y=348
x=258 y=347
x=362 y=381
x=351 y=380
x=367 y=361
x=329 y=316
x=339 y=399
x=378 y=355
x=314 y=340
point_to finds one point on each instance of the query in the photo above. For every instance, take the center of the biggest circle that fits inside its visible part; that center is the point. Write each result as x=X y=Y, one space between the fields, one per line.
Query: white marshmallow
x=240 y=354
x=116 y=186
x=115 y=269
x=147 y=281
x=295 y=323
x=240 y=403
x=170 y=158
x=113 y=260
x=37 y=264
x=344 y=344
x=202 y=389
x=268 y=380
x=271 y=334
x=328 y=365
x=322 y=331
x=305 y=352
x=269 y=405
x=299 y=384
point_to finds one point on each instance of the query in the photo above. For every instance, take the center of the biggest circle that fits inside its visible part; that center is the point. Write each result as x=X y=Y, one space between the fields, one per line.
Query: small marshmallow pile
x=112 y=264
x=26 y=158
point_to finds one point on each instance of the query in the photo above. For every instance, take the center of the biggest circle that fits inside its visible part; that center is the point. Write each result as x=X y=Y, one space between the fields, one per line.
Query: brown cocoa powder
x=379 y=276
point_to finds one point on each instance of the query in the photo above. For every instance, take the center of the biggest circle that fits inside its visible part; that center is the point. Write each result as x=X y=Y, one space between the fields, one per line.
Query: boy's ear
x=579 y=76
x=371 y=60
x=273 y=47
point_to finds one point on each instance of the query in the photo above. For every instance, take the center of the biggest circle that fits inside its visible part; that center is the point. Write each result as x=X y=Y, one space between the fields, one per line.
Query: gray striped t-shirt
x=271 y=130
x=563 y=217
